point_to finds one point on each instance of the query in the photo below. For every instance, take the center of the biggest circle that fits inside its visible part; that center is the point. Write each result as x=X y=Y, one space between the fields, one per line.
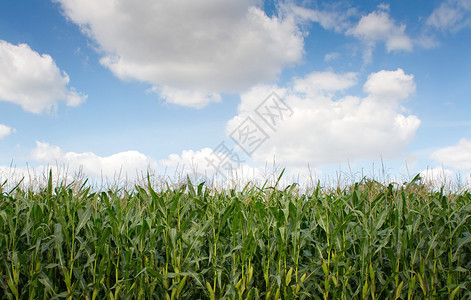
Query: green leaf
x=237 y=223
x=83 y=219
x=58 y=237
x=461 y=243
x=292 y=211
x=13 y=288
x=210 y=290
x=455 y=291
x=47 y=283
x=380 y=220
x=288 y=276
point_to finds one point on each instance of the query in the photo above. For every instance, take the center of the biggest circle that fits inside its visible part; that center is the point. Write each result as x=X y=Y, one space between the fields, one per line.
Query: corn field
x=365 y=241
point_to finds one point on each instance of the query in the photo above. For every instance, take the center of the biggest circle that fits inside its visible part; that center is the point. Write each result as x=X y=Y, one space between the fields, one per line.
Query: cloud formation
x=378 y=26
x=390 y=85
x=451 y=15
x=127 y=164
x=457 y=156
x=217 y=162
x=5 y=131
x=196 y=99
x=207 y=46
x=331 y=56
x=191 y=161
x=33 y=81
x=220 y=167
x=331 y=18
x=328 y=126
x=373 y=28
x=329 y=81
x=438 y=175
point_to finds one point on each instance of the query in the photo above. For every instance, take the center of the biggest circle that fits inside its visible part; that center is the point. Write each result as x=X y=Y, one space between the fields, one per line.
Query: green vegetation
x=368 y=240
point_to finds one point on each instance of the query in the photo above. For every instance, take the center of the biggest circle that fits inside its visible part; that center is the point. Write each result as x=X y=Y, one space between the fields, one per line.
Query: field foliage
x=365 y=241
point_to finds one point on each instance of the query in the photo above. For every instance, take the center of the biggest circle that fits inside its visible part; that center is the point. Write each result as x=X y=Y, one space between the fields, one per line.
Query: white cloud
x=379 y=27
x=331 y=56
x=426 y=40
x=458 y=156
x=325 y=81
x=5 y=131
x=128 y=163
x=33 y=80
x=371 y=29
x=221 y=161
x=384 y=6
x=35 y=178
x=452 y=15
x=196 y=99
x=211 y=165
x=209 y=46
x=390 y=85
x=438 y=175
x=204 y=165
x=326 y=128
x=330 y=19
x=191 y=161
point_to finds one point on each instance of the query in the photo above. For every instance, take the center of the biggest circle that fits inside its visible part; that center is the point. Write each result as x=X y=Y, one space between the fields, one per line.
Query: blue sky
x=104 y=86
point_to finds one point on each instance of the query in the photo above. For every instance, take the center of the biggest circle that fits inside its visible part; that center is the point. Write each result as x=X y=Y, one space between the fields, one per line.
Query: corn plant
x=365 y=241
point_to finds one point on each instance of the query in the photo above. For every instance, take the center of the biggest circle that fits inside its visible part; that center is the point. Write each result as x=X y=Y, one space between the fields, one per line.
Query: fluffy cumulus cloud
x=457 y=156
x=390 y=85
x=320 y=123
x=225 y=166
x=438 y=176
x=452 y=15
x=378 y=26
x=190 y=161
x=5 y=131
x=32 y=80
x=219 y=163
x=207 y=46
x=123 y=164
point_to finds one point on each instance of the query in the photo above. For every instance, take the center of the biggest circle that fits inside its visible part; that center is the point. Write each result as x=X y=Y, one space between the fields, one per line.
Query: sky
x=236 y=88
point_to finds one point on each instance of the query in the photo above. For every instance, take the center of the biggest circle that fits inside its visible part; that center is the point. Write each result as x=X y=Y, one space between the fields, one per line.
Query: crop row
x=367 y=240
